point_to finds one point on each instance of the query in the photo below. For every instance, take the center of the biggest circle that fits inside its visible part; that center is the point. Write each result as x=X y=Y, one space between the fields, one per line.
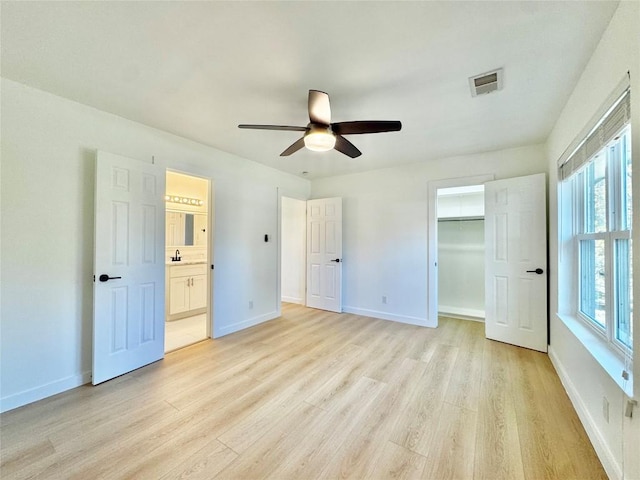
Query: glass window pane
x=592 y=280
x=626 y=181
x=623 y=292
x=595 y=198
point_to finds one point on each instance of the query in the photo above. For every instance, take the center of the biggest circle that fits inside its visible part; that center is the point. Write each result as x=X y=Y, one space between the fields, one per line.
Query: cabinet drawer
x=187 y=270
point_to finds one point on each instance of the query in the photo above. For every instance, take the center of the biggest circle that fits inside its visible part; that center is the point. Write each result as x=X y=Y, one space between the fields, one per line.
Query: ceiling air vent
x=486 y=83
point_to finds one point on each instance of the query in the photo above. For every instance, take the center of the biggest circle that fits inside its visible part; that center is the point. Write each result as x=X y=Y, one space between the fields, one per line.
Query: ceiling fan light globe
x=320 y=141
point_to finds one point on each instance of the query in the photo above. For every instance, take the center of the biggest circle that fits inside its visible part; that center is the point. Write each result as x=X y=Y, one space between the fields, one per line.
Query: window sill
x=609 y=360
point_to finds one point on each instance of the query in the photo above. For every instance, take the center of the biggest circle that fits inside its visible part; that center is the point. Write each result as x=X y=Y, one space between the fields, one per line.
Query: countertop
x=185 y=262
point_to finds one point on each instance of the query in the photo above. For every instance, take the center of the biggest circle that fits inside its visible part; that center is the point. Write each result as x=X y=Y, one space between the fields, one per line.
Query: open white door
x=515 y=261
x=128 y=308
x=324 y=254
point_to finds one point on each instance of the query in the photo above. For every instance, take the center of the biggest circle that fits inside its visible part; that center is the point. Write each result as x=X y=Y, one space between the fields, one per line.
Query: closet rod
x=460 y=219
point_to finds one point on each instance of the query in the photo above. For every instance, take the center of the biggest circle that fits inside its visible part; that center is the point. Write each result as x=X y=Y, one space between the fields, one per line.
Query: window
x=596 y=190
x=602 y=196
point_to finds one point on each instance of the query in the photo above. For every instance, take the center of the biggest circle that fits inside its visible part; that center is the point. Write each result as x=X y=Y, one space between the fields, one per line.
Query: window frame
x=616 y=229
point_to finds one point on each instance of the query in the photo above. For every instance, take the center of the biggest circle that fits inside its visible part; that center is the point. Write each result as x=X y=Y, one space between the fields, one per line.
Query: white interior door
x=129 y=288
x=324 y=254
x=516 y=261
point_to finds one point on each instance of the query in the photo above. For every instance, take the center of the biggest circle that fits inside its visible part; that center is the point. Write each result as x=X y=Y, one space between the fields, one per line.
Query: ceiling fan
x=321 y=135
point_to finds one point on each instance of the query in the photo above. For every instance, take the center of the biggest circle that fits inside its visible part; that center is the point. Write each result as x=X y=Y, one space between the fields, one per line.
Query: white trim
x=613 y=468
x=463 y=313
x=298 y=301
x=421 y=322
x=250 y=322
x=43 y=391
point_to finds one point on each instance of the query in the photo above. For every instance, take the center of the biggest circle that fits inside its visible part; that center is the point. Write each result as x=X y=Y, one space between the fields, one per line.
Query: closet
x=461 y=252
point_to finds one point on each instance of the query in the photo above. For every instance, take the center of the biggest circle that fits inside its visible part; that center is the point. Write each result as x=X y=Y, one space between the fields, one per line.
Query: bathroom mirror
x=186 y=229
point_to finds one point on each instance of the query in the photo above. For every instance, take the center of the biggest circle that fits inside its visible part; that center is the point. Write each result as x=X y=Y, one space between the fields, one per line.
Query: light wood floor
x=314 y=395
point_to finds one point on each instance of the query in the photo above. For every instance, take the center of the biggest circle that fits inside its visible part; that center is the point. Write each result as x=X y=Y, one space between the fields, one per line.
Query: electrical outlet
x=250 y=304
x=605 y=409
x=384 y=299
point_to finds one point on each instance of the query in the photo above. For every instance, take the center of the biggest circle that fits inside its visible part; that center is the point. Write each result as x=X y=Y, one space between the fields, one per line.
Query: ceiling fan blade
x=293 y=148
x=319 y=107
x=366 y=126
x=345 y=146
x=274 y=127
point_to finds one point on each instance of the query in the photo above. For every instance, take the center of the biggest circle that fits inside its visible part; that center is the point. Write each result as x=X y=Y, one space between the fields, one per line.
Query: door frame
x=210 y=243
x=432 y=236
x=284 y=192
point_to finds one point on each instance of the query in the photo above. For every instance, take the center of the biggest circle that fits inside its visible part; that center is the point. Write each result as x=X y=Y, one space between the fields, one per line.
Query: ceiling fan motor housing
x=319 y=138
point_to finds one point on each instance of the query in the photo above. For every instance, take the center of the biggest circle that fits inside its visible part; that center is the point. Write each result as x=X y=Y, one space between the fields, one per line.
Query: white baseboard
x=464 y=313
x=38 y=393
x=422 y=322
x=613 y=468
x=292 y=300
x=250 y=322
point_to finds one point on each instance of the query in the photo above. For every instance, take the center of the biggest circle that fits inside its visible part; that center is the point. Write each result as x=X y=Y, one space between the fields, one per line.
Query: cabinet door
x=179 y=295
x=198 y=292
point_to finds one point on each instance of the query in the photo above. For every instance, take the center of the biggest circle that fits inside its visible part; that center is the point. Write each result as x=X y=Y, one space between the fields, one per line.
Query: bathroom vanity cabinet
x=187 y=288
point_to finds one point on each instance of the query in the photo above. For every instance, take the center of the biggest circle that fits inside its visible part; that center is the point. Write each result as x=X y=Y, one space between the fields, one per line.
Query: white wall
x=385 y=227
x=293 y=227
x=616 y=441
x=460 y=204
x=48 y=168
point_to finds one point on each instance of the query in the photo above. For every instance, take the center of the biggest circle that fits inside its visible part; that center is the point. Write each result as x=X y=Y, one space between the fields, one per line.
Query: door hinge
x=628 y=411
x=94 y=279
x=212 y=266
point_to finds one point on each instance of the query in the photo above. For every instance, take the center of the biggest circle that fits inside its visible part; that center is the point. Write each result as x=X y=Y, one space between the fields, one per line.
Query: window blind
x=602 y=133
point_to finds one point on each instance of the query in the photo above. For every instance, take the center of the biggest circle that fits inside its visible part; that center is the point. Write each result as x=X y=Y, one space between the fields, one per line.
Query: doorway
x=432 y=247
x=293 y=250
x=461 y=275
x=514 y=261
x=187 y=260
x=310 y=262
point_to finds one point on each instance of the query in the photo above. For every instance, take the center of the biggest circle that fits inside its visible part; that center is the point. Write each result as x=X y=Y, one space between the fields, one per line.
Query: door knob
x=337 y=260
x=104 y=278
x=539 y=271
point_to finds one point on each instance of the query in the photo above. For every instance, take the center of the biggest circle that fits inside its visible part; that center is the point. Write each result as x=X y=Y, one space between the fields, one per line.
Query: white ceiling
x=198 y=69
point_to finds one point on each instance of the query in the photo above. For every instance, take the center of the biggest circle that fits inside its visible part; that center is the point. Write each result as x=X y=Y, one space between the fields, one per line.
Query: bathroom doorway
x=187 y=256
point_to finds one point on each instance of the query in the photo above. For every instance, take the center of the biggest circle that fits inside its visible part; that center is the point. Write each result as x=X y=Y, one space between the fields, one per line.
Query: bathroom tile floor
x=183 y=332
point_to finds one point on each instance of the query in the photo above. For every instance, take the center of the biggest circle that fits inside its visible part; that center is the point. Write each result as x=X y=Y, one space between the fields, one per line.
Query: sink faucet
x=177 y=257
